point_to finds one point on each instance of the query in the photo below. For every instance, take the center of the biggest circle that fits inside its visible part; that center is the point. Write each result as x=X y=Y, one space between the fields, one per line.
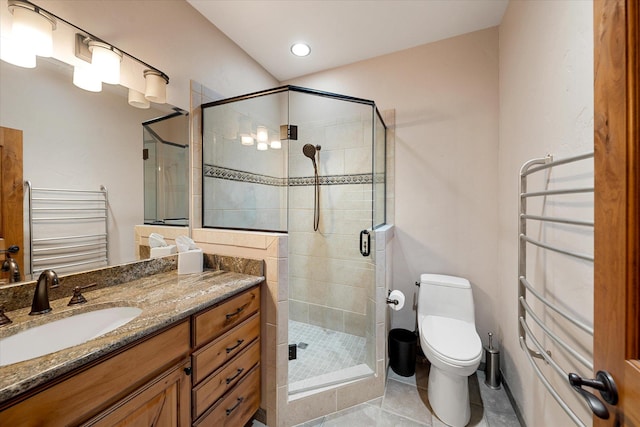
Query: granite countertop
x=165 y=298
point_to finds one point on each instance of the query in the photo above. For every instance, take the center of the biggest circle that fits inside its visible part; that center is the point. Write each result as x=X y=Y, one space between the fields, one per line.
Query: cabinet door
x=163 y=402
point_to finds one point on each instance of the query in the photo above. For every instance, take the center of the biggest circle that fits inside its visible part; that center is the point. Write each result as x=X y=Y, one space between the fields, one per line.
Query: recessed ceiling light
x=300 y=49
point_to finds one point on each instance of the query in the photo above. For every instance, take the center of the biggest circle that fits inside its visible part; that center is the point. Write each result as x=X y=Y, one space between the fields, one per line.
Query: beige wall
x=79 y=152
x=456 y=187
x=445 y=97
x=546 y=106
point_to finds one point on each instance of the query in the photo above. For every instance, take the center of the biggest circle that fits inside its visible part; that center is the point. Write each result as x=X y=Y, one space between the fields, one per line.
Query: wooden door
x=617 y=204
x=11 y=194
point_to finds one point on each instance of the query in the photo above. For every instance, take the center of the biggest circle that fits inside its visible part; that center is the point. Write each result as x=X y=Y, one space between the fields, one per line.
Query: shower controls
x=365 y=242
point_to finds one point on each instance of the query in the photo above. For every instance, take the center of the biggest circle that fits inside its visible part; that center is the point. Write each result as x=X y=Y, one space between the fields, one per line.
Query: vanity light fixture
x=155 y=86
x=12 y=54
x=246 y=139
x=300 y=49
x=105 y=61
x=262 y=146
x=85 y=78
x=32 y=34
x=137 y=99
x=32 y=28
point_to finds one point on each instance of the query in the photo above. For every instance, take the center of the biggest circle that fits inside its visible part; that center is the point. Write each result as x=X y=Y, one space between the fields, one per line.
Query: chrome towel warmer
x=526 y=289
x=67 y=228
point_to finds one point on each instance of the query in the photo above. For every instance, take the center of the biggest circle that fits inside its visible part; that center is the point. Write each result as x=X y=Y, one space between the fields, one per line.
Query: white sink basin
x=63 y=333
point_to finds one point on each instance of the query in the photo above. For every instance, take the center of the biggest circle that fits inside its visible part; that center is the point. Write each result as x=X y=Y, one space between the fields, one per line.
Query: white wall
x=445 y=96
x=546 y=106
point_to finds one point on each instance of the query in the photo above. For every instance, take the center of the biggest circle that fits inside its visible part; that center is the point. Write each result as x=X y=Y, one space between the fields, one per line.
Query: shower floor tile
x=327 y=351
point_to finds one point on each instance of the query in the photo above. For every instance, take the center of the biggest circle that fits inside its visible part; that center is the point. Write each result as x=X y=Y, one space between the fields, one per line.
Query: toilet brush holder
x=492 y=365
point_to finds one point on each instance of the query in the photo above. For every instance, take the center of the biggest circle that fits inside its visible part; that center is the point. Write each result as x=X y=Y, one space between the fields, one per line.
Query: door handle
x=605 y=384
x=365 y=242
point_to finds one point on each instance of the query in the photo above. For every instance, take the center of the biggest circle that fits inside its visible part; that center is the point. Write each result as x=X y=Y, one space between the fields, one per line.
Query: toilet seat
x=453 y=341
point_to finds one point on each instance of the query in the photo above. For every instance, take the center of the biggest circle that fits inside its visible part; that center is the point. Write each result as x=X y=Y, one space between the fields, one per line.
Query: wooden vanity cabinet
x=96 y=388
x=202 y=369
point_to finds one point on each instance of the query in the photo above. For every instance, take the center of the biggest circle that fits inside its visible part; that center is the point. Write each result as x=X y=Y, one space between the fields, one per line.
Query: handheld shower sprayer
x=310 y=151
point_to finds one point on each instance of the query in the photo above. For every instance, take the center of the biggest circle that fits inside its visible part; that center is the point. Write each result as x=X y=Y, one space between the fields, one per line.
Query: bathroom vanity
x=192 y=357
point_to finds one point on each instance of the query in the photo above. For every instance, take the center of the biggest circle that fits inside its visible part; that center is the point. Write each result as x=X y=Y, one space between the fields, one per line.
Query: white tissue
x=156 y=240
x=185 y=244
x=190 y=261
x=163 y=251
x=397 y=296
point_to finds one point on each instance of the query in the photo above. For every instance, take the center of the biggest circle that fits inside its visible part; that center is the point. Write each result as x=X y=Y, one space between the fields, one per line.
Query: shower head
x=310 y=151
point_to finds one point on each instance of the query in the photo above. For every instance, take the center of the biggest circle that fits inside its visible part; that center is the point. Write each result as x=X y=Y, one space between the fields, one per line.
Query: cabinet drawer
x=209 y=358
x=238 y=406
x=225 y=316
x=226 y=378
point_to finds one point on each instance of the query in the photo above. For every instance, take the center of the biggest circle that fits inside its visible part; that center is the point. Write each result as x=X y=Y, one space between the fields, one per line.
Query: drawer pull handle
x=230 y=349
x=230 y=410
x=235 y=313
x=235 y=376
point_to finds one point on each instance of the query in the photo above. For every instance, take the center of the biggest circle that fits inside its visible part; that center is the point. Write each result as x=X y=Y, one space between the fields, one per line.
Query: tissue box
x=163 y=251
x=190 y=261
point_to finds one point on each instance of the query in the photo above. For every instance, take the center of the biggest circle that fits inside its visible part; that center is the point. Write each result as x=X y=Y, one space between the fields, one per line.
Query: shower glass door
x=331 y=283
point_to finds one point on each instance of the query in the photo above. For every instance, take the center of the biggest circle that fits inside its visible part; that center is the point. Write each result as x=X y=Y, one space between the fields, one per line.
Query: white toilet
x=449 y=339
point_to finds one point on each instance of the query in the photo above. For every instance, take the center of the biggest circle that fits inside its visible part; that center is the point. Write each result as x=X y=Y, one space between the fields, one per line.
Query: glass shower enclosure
x=311 y=164
x=166 y=170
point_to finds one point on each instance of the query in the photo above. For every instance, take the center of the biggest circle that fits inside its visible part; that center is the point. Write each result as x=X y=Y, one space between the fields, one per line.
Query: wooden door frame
x=12 y=192
x=617 y=206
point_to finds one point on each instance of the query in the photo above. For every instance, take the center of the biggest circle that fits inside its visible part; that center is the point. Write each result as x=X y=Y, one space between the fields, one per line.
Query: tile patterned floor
x=405 y=404
x=327 y=351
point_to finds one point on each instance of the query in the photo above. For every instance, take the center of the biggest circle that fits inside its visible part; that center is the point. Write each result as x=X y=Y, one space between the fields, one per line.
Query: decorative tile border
x=211 y=171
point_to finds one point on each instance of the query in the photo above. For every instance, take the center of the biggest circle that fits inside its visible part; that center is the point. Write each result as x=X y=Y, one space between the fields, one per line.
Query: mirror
x=166 y=170
x=74 y=139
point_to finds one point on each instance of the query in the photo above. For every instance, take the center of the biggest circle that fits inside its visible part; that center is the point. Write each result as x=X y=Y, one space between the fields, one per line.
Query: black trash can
x=402 y=351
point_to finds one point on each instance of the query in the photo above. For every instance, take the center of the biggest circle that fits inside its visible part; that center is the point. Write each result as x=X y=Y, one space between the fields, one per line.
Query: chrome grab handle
x=605 y=384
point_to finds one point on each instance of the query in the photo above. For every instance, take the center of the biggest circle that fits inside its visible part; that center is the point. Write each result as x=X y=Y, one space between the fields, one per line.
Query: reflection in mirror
x=166 y=170
x=74 y=139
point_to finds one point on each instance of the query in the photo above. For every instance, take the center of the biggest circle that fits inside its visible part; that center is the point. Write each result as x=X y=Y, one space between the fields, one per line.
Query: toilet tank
x=446 y=296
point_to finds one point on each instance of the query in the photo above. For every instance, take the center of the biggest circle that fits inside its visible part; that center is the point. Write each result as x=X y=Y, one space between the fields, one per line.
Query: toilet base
x=449 y=397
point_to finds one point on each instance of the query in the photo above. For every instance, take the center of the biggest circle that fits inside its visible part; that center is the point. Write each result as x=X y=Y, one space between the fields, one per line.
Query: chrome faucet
x=40 y=304
x=11 y=265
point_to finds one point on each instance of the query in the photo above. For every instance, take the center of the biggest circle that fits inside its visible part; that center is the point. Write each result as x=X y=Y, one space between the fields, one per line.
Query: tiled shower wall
x=330 y=282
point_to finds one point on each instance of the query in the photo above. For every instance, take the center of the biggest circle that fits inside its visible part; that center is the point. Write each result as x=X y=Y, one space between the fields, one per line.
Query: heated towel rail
x=529 y=296
x=67 y=228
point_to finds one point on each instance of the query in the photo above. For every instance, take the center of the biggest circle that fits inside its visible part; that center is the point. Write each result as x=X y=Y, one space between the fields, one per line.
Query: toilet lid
x=454 y=340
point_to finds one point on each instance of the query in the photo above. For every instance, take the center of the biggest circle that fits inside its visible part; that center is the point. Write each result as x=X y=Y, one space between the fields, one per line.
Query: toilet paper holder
x=392 y=301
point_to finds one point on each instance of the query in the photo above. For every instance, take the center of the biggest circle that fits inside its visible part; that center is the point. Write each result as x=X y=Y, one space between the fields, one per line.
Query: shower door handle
x=365 y=243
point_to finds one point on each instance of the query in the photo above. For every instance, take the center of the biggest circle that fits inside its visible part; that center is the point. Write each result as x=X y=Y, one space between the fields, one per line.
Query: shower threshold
x=298 y=389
